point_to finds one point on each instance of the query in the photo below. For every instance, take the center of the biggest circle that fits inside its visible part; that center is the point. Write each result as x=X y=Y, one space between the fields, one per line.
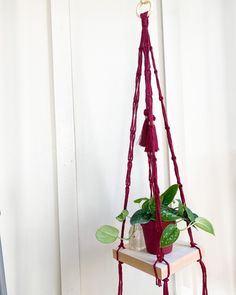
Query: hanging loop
x=142 y=3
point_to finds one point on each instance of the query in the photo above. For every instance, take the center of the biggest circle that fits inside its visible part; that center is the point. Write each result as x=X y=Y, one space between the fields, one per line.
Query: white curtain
x=28 y=190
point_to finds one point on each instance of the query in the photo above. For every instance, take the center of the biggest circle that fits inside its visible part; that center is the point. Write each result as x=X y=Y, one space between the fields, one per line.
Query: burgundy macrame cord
x=149 y=140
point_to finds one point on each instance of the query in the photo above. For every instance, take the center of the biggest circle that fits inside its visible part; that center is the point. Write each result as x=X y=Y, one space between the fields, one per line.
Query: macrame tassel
x=152 y=142
x=165 y=287
x=120 y=283
x=204 y=278
x=148 y=138
x=144 y=134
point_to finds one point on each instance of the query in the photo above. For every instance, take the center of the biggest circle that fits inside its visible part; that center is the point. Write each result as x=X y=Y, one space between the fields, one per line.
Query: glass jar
x=136 y=241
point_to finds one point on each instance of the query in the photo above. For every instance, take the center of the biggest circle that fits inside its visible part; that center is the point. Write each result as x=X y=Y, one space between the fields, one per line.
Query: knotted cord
x=149 y=140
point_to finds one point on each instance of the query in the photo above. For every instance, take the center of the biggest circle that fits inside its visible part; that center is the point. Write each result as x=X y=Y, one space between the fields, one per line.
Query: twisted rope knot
x=146 y=114
x=193 y=244
x=166 y=280
x=121 y=245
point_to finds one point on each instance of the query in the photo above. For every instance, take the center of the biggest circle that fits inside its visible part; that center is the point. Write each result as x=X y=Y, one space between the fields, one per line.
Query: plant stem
x=127 y=239
x=183 y=229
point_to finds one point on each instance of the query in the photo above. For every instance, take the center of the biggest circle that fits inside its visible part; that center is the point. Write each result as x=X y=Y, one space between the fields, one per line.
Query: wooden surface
x=181 y=256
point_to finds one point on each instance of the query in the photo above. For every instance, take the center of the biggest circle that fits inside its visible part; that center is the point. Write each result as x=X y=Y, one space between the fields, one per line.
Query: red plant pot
x=151 y=237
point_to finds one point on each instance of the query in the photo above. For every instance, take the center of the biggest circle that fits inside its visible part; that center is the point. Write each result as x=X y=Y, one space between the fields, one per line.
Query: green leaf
x=181 y=208
x=140 y=217
x=169 y=214
x=191 y=216
x=153 y=217
x=169 y=235
x=138 y=201
x=204 y=224
x=195 y=216
x=168 y=196
x=122 y=216
x=107 y=234
x=152 y=206
x=145 y=205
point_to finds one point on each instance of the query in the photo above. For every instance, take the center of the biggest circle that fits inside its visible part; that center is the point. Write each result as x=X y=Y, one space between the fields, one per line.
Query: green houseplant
x=173 y=212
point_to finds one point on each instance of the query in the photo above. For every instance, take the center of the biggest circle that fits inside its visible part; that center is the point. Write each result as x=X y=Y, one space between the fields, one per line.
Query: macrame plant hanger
x=149 y=141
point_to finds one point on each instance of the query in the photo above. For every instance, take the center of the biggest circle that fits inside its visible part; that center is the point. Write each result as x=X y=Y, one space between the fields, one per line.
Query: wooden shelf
x=181 y=256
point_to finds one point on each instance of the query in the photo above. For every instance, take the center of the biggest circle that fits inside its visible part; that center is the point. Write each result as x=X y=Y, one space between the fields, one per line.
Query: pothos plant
x=172 y=210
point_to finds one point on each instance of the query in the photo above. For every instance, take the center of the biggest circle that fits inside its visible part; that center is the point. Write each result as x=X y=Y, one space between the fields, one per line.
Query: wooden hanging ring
x=141 y=3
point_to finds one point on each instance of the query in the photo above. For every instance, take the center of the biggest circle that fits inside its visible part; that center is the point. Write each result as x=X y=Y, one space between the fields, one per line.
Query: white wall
x=28 y=197
x=200 y=77
x=85 y=52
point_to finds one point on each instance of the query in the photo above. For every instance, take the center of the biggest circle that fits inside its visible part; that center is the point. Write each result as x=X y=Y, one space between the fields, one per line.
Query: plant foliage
x=169 y=213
